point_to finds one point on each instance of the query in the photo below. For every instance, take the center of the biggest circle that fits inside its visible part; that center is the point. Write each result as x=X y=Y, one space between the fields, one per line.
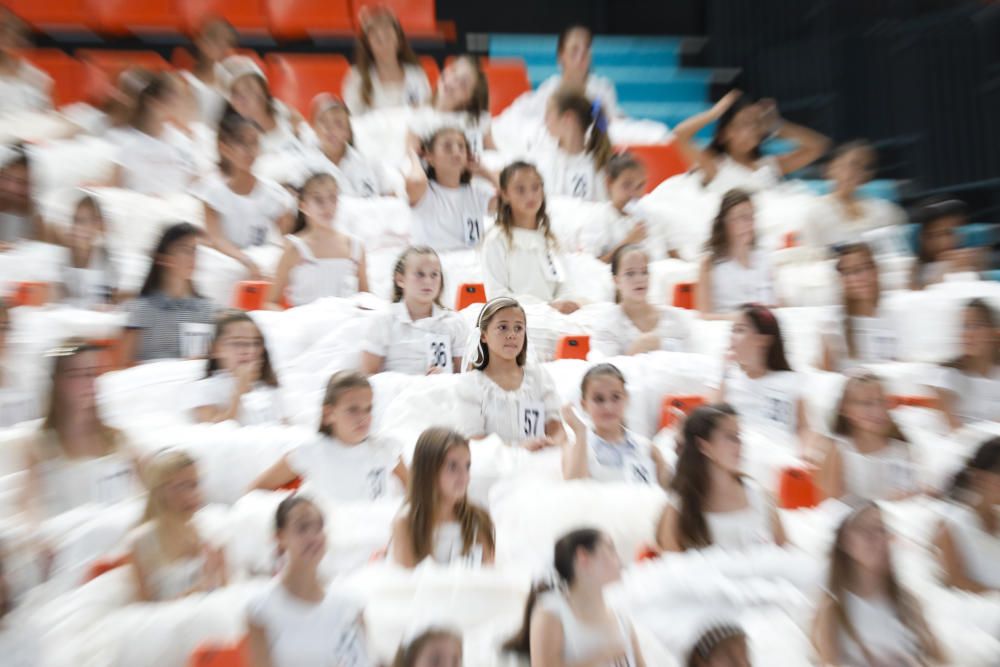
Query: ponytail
x=599 y=143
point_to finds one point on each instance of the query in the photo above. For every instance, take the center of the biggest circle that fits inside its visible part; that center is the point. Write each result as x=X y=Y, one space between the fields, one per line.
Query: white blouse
x=356 y=175
x=526 y=265
x=877 y=475
x=977 y=398
x=769 y=402
x=211 y=99
x=17 y=405
x=569 y=175
x=628 y=461
x=730 y=174
x=154 y=165
x=616 y=331
x=743 y=528
x=92 y=285
x=582 y=641
x=349 y=473
x=515 y=415
x=880 y=630
x=598 y=87
x=70 y=483
x=451 y=218
x=875 y=338
x=167 y=580
x=979 y=550
x=413 y=91
x=827 y=224
x=261 y=405
x=28 y=90
x=607 y=228
x=317 y=277
x=250 y=219
x=734 y=284
x=448 y=545
x=413 y=347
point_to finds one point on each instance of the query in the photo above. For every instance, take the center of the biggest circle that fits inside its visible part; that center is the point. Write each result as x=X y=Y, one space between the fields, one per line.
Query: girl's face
x=630 y=185
x=506 y=333
x=319 y=201
x=561 y=125
x=987 y=484
x=939 y=236
x=182 y=494
x=87 y=228
x=15 y=184
x=248 y=97
x=350 y=418
x=453 y=478
x=746 y=342
x=866 y=408
x=449 y=154
x=242 y=150
x=77 y=381
x=603 y=566
x=525 y=193
x=859 y=275
x=303 y=537
x=457 y=85
x=724 y=448
x=444 y=651
x=421 y=281
x=632 y=280
x=740 y=225
x=383 y=41
x=852 y=169
x=979 y=340
x=606 y=401
x=333 y=127
x=866 y=542
x=179 y=259
x=240 y=343
x=730 y=653
x=574 y=59
x=744 y=133
x=216 y=41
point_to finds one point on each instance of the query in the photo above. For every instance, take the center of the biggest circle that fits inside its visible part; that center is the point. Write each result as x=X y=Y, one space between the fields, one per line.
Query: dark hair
x=986 y=458
x=717 y=146
x=567 y=31
x=691 y=481
x=339 y=384
x=479 y=101
x=622 y=162
x=505 y=214
x=855 y=145
x=285 y=508
x=171 y=235
x=982 y=307
x=363 y=56
x=929 y=212
x=482 y=359
x=428 y=147
x=157 y=87
x=850 y=305
x=564 y=559
x=407 y=653
x=400 y=268
x=227 y=318
x=711 y=639
x=599 y=370
x=300 y=219
x=764 y=321
x=593 y=121
x=230 y=126
x=616 y=261
x=209 y=23
x=718 y=240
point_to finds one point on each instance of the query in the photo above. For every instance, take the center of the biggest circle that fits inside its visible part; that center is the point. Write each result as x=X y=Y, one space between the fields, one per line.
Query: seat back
x=297 y=19
x=508 y=80
x=65 y=71
x=297 y=78
x=661 y=161
x=468 y=294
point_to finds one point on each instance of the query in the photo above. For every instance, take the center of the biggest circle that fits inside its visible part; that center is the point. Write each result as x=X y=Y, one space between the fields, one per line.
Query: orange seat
x=468 y=294
x=251 y=294
x=646 y=552
x=122 y=17
x=573 y=347
x=507 y=79
x=684 y=295
x=224 y=655
x=181 y=58
x=797 y=488
x=103 y=67
x=929 y=402
x=53 y=14
x=790 y=240
x=661 y=160
x=292 y=485
x=244 y=15
x=31 y=293
x=297 y=19
x=672 y=405
x=418 y=17
x=431 y=69
x=65 y=71
x=105 y=565
x=297 y=78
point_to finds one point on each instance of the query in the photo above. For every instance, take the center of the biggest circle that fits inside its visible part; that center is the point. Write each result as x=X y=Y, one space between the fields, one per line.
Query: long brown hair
x=765 y=322
x=486 y=315
x=400 y=268
x=841 y=425
x=364 y=59
x=986 y=312
x=432 y=447
x=228 y=318
x=718 y=240
x=64 y=356
x=505 y=214
x=479 y=101
x=851 y=306
x=592 y=119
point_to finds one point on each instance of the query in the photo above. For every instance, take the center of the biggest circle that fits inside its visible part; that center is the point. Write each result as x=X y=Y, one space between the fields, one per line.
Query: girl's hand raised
x=723 y=104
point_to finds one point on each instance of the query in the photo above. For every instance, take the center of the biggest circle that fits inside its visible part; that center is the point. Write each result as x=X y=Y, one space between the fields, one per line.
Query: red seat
x=508 y=80
x=105 y=565
x=31 y=293
x=573 y=347
x=797 y=488
x=673 y=404
x=251 y=294
x=790 y=240
x=898 y=400
x=244 y=15
x=216 y=655
x=297 y=78
x=122 y=17
x=297 y=19
x=66 y=73
x=431 y=69
x=684 y=295
x=646 y=552
x=661 y=161
x=418 y=17
x=468 y=294
x=46 y=15
x=181 y=58
x=293 y=485
x=102 y=68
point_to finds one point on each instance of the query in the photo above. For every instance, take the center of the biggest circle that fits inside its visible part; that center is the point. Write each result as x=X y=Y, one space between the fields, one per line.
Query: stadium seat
x=298 y=78
x=790 y=240
x=431 y=69
x=123 y=17
x=292 y=485
x=66 y=73
x=181 y=58
x=54 y=15
x=418 y=17
x=102 y=68
x=797 y=489
x=929 y=402
x=573 y=347
x=215 y=655
x=684 y=296
x=105 y=565
x=646 y=552
x=508 y=80
x=247 y=16
x=251 y=294
x=673 y=405
x=31 y=293
x=661 y=160
x=468 y=294
x=298 y=19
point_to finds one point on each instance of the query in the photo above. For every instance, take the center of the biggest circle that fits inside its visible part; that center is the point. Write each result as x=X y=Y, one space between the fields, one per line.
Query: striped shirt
x=164 y=322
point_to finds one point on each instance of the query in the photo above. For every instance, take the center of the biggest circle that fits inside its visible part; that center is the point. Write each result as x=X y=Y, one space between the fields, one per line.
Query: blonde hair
x=400 y=269
x=158 y=473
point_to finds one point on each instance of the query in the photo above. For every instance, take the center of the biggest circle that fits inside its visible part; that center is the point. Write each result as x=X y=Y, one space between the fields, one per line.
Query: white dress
x=451 y=218
x=261 y=405
x=744 y=528
x=607 y=228
x=29 y=90
x=414 y=91
x=568 y=175
x=730 y=174
x=167 y=581
x=251 y=219
x=734 y=284
x=628 y=461
x=877 y=475
x=448 y=544
x=356 y=175
x=526 y=265
x=875 y=338
x=153 y=165
x=211 y=99
x=598 y=87
x=880 y=630
x=348 y=473
x=977 y=398
x=979 y=550
x=17 y=405
x=581 y=642
x=314 y=278
x=20 y=644
x=616 y=331
x=425 y=121
x=827 y=224
x=91 y=285
x=320 y=634
x=412 y=347
x=512 y=415
x=768 y=402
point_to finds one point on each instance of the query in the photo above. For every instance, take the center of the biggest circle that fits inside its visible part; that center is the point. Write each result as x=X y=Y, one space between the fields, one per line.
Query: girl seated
x=334 y=152
x=500 y=394
x=566 y=619
x=713 y=503
x=298 y=619
x=319 y=260
x=282 y=128
x=416 y=335
x=438 y=520
x=168 y=556
x=23 y=87
x=734 y=271
x=869 y=457
x=386 y=71
x=169 y=319
x=434 y=647
x=866 y=617
x=345 y=462
x=605 y=449
x=634 y=325
x=461 y=100
x=239 y=382
x=967 y=542
x=449 y=208
x=89 y=277
x=17 y=404
x=968 y=387
x=520 y=254
x=19 y=217
x=573 y=156
x=241 y=210
x=213 y=41
x=938 y=252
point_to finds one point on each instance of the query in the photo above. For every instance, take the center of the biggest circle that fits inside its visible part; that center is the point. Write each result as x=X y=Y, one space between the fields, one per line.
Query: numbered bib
x=580 y=185
x=376 y=483
x=780 y=408
x=640 y=473
x=439 y=352
x=532 y=419
x=473 y=232
x=350 y=649
x=553 y=269
x=196 y=338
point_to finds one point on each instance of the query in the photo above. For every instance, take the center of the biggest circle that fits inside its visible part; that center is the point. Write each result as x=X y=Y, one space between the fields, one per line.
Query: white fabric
x=91 y=285
x=976 y=398
x=451 y=218
x=876 y=339
x=29 y=90
x=568 y=175
x=405 y=344
x=261 y=405
x=166 y=580
x=878 y=475
x=356 y=174
x=211 y=99
x=628 y=461
x=612 y=331
x=341 y=472
x=448 y=543
x=827 y=223
x=742 y=529
x=316 y=277
x=413 y=91
x=486 y=408
x=580 y=641
x=527 y=265
x=153 y=165
x=606 y=228
x=425 y=121
x=20 y=645
x=598 y=87
x=879 y=629
x=979 y=550
x=246 y=220
x=66 y=484
x=734 y=284
x=17 y=406
x=730 y=174
x=770 y=401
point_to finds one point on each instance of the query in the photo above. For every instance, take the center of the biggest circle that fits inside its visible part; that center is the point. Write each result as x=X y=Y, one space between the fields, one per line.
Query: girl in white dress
x=239 y=383
x=334 y=151
x=298 y=619
x=866 y=618
x=713 y=503
x=168 y=556
x=968 y=387
x=449 y=208
x=89 y=278
x=462 y=100
x=605 y=449
x=968 y=537
x=434 y=647
x=416 y=335
x=345 y=462
x=499 y=393
x=938 y=252
x=386 y=71
x=566 y=619
x=241 y=210
x=214 y=40
x=438 y=520
x=319 y=260
x=634 y=325
x=17 y=404
x=859 y=332
x=868 y=457
x=760 y=385
x=741 y=126
x=282 y=128
x=573 y=156
x=735 y=271
x=521 y=256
